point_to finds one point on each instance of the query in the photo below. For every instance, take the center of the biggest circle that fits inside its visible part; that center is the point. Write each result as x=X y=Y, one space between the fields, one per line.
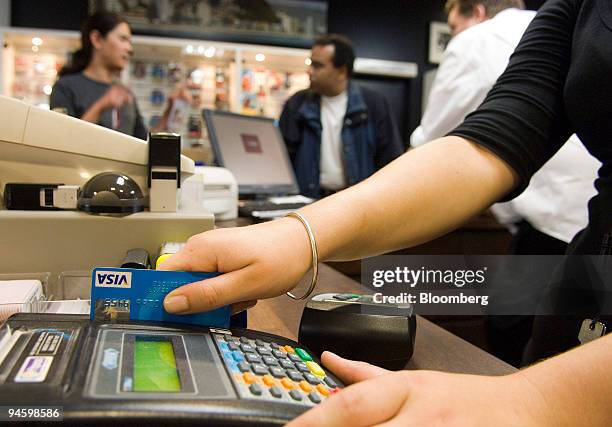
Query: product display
x=264 y=91
x=139 y=70
x=34 y=76
x=155 y=77
x=157 y=97
x=189 y=87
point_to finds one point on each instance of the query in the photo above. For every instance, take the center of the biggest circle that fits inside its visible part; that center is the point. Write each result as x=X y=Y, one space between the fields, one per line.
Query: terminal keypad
x=266 y=370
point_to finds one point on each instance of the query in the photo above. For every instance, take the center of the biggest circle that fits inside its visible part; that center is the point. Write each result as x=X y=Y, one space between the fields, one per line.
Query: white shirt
x=472 y=62
x=555 y=202
x=333 y=110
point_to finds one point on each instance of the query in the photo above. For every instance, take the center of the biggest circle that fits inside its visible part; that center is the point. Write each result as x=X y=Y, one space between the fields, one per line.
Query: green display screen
x=155 y=365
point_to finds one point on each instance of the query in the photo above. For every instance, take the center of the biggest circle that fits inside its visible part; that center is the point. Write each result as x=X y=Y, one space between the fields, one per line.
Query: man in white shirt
x=332 y=115
x=484 y=37
x=547 y=215
x=336 y=133
x=485 y=32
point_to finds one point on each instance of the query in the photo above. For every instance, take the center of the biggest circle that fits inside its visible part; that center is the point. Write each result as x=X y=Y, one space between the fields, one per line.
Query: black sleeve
x=388 y=142
x=62 y=98
x=140 y=130
x=289 y=127
x=522 y=120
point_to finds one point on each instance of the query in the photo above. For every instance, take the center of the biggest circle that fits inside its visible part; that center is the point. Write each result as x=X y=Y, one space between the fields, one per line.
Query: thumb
x=350 y=371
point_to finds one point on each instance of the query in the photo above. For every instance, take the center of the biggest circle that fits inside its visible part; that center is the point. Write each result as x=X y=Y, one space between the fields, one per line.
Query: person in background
x=549 y=213
x=552 y=209
x=484 y=35
x=89 y=87
x=337 y=134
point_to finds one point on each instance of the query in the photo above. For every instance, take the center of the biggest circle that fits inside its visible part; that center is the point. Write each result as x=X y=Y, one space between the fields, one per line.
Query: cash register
x=100 y=374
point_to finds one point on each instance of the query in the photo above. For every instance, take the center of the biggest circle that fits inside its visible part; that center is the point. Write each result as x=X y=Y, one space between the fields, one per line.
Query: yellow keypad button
x=315 y=369
x=323 y=390
x=289 y=349
x=248 y=378
x=269 y=380
x=287 y=383
x=305 y=386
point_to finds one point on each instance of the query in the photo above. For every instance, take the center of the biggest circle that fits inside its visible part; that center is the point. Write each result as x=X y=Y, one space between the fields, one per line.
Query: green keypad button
x=303 y=355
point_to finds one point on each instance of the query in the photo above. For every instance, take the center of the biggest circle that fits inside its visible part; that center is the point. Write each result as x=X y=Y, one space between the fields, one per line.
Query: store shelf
x=224 y=76
x=241 y=78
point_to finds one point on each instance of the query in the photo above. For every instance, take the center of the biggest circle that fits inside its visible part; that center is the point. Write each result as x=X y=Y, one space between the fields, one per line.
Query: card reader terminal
x=143 y=372
x=358 y=327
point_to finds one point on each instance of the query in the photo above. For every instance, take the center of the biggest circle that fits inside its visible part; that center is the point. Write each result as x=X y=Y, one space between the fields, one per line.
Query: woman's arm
x=180 y=93
x=419 y=196
x=402 y=205
x=115 y=97
x=425 y=193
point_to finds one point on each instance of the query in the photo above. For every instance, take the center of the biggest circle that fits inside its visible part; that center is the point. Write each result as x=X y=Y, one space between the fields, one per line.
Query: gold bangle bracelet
x=315 y=255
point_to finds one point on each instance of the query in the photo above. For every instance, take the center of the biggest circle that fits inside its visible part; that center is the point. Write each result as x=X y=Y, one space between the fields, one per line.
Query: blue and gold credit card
x=124 y=294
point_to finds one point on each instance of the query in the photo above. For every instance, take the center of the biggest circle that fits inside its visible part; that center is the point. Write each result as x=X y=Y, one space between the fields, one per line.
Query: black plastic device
x=149 y=374
x=136 y=258
x=357 y=327
x=21 y=196
x=165 y=151
x=164 y=171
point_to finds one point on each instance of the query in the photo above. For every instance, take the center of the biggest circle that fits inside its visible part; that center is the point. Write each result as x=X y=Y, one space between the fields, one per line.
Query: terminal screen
x=253 y=150
x=155 y=367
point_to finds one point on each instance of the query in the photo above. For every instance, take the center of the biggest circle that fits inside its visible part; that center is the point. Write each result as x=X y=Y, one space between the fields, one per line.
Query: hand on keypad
x=265 y=370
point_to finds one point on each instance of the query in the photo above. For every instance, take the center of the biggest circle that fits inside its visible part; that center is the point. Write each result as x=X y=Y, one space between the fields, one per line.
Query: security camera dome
x=111 y=192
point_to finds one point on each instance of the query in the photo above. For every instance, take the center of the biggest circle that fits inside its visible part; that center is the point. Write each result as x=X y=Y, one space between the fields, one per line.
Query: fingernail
x=176 y=304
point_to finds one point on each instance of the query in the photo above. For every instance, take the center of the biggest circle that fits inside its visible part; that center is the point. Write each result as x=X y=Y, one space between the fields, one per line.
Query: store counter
x=434 y=349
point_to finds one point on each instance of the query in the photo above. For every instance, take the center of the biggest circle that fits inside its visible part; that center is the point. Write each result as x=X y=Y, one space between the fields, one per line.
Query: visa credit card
x=124 y=294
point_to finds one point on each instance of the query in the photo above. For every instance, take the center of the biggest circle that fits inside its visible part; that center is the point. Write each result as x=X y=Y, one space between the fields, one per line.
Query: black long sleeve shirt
x=558 y=81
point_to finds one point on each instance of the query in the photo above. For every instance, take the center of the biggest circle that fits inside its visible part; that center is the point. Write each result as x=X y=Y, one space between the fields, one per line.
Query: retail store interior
x=270 y=127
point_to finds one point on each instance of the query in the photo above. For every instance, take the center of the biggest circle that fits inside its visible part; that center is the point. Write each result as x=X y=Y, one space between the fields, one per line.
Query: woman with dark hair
x=88 y=87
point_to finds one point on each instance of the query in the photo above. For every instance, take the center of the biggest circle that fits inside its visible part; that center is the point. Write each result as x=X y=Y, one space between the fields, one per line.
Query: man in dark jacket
x=336 y=133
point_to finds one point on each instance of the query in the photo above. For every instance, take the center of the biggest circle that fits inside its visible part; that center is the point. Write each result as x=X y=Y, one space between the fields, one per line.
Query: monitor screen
x=155 y=368
x=253 y=149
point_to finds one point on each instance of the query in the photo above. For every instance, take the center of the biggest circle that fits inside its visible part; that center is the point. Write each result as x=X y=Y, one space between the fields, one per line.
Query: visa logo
x=113 y=279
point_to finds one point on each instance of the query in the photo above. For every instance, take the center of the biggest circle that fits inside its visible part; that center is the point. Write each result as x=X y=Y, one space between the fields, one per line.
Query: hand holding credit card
x=123 y=294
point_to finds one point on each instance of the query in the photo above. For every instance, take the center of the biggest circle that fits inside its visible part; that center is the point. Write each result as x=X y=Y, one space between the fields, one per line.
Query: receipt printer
x=355 y=327
x=220 y=191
